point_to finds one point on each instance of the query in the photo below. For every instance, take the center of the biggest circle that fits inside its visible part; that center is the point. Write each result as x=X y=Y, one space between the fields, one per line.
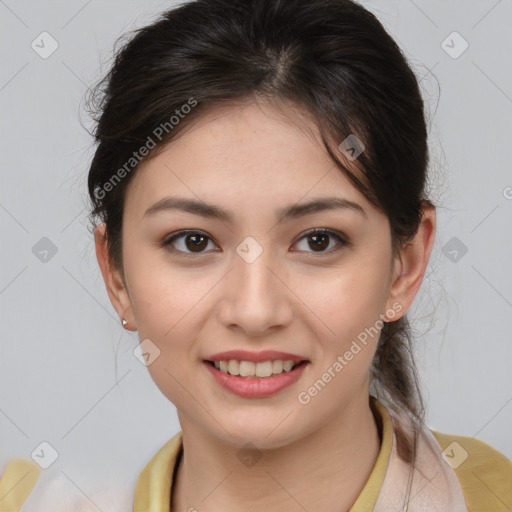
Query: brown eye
x=196 y=243
x=320 y=239
x=189 y=242
x=320 y=242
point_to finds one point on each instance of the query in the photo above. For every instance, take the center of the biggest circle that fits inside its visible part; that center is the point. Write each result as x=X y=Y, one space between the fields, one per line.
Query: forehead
x=247 y=156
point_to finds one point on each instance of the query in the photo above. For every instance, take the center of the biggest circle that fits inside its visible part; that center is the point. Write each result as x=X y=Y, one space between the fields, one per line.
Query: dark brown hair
x=334 y=59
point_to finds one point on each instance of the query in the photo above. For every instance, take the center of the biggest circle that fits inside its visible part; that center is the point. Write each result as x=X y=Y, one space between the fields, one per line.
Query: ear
x=410 y=264
x=114 y=281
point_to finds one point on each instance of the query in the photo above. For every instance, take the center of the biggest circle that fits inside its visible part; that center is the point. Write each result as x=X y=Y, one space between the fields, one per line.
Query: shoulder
x=152 y=489
x=484 y=473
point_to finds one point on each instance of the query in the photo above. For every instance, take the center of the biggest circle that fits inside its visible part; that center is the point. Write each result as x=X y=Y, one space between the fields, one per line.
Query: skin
x=252 y=159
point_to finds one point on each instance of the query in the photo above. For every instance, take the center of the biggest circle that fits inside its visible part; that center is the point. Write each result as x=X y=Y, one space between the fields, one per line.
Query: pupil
x=196 y=243
x=320 y=244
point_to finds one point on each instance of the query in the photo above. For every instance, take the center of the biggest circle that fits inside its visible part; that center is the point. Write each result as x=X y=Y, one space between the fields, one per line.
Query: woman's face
x=253 y=280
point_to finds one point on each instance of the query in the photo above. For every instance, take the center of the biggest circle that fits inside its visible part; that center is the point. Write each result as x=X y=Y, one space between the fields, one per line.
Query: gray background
x=68 y=375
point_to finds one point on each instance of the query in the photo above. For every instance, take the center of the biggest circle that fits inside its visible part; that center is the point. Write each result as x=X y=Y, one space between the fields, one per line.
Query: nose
x=256 y=297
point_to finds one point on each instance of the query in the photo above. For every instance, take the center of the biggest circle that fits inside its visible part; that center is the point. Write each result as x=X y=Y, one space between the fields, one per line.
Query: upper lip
x=255 y=357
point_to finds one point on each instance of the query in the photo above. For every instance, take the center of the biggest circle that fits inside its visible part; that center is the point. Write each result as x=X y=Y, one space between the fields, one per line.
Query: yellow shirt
x=485 y=475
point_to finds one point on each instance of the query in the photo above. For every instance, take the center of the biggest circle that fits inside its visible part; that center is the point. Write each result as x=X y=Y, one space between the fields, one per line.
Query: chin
x=265 y=433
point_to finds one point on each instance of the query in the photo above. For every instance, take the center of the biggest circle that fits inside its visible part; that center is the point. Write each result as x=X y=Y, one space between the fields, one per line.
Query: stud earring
x=124 y=322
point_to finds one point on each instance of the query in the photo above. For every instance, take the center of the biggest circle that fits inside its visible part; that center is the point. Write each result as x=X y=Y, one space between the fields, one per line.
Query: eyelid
x=340 y=237
x=177 y=234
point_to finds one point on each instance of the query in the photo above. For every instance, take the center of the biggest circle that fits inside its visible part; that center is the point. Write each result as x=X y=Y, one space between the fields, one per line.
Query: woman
x=260 y=180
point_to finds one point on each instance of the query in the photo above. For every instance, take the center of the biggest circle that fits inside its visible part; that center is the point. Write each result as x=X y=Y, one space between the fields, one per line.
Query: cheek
x=168 y=312
x=348 y=304
x=161 y=294
x=346 y=300
x=165 y=309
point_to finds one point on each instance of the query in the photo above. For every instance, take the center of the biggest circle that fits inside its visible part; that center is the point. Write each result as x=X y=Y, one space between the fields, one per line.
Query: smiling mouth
x=255 y=370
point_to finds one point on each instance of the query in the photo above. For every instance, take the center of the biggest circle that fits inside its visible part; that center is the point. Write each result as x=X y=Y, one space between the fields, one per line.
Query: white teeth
x=265 y=369
x=250 y=369
x=234 y=367
x=247 y=368
x=277 y=366
x=287 y=365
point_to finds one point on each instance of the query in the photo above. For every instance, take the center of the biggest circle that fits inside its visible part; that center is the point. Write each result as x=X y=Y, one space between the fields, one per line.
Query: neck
x=326 y=470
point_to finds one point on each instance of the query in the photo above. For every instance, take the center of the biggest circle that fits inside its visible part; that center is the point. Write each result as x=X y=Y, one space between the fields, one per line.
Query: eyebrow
x=212 y=211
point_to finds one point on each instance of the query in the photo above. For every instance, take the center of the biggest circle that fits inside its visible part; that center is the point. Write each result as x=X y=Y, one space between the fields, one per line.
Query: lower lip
x=256 y=387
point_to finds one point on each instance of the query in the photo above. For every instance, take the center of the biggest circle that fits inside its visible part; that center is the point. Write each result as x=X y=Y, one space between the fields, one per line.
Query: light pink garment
x=434 y=486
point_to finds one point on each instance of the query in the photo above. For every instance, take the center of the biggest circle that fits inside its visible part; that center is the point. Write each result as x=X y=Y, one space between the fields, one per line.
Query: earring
x=124 y=322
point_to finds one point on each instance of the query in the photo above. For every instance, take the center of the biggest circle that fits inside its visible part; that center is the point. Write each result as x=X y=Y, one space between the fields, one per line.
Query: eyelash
x=338 y=237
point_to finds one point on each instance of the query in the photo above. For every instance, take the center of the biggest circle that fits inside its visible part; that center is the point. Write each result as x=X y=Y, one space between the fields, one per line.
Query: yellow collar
x=153 y=488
